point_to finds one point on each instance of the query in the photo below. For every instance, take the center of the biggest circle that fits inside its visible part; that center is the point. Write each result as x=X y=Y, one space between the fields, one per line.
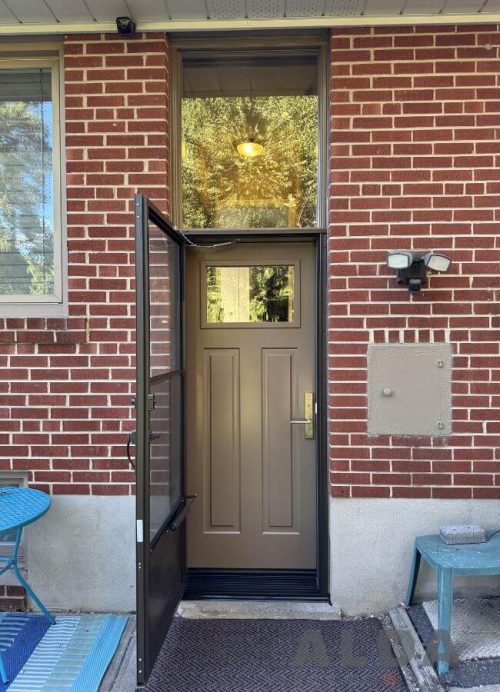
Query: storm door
x=161 y=505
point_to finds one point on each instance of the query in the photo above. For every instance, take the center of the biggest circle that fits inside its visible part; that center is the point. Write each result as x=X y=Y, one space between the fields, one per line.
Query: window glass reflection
x=259 y=293
x=250 y=142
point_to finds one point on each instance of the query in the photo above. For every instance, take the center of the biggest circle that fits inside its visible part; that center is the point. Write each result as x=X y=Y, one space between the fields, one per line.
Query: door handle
x=131 y=441
x=181 y=515
x=308 y=420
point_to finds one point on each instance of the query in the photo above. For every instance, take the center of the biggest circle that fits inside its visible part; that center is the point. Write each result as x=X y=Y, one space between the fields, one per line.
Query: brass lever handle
x=308 y=420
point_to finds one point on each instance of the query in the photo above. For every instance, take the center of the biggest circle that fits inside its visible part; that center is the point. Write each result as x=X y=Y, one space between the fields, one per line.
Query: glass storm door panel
x=160 y=502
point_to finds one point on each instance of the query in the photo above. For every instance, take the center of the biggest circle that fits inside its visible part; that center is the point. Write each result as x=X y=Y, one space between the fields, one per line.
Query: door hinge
x=151 y=402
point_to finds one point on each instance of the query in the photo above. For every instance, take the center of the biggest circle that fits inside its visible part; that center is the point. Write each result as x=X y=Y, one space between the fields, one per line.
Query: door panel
x=160 y=499
x=279 y=394
x=251 y=346
x=221 y=459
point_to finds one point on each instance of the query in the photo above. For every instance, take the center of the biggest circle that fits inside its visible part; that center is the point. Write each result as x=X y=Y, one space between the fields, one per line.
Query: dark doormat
x=277 y=656
x=462 y=673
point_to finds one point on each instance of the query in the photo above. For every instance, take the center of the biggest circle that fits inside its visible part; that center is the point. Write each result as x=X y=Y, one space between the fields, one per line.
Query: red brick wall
x=415 y=162
x=66 y=385
x=12 y=597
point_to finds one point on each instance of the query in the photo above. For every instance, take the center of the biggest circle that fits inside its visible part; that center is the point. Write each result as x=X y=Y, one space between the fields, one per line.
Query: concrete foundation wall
x=371 y=542
x=81 y=555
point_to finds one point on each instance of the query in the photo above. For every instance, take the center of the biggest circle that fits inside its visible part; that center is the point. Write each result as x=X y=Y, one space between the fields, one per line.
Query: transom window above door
x=249 y=149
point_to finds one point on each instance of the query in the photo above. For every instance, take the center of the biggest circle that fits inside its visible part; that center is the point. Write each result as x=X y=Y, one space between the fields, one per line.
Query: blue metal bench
x=451 y=560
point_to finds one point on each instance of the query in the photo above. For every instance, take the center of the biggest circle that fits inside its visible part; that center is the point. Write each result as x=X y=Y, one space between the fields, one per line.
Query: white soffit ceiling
x=66 y=16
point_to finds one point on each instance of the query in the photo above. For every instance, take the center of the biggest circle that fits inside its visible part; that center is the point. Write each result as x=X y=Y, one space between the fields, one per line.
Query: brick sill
x=44 y=331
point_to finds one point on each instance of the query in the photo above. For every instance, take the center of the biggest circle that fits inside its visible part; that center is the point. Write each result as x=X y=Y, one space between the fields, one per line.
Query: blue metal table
x=19 y=507
x=450 y=560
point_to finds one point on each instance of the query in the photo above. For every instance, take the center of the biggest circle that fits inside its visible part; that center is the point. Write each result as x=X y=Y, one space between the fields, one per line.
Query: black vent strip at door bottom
x=272 y=584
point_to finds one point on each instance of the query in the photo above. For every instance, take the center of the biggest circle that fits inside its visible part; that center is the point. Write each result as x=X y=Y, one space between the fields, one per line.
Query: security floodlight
x=412 y=267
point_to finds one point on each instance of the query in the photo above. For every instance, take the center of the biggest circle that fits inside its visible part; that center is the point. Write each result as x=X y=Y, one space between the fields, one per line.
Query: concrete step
x=268 y=610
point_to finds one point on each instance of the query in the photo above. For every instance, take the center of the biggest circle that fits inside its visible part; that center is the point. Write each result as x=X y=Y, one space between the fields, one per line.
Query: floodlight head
x=399 y=259
x=436 y=262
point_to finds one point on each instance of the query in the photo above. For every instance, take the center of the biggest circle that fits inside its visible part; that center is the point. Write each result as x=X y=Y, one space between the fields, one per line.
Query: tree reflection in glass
x=274 y=185
x=258 y=293
x=26 y=184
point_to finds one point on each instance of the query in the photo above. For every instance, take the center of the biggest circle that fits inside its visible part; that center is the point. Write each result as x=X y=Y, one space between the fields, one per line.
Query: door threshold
x=277 y=584
x=214 y=609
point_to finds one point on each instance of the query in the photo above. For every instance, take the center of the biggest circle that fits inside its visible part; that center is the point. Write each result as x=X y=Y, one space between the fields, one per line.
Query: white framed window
x=31 y=200
x=7 y=540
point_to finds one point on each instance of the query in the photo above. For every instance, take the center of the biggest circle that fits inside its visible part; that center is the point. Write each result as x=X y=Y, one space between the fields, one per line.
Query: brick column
x=415 y=163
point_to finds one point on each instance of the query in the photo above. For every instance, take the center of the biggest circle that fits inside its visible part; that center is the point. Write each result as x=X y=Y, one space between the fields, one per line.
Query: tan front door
x=250 y=368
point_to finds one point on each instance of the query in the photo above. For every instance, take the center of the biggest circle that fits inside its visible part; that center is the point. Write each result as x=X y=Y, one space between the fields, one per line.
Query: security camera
x=125 y=25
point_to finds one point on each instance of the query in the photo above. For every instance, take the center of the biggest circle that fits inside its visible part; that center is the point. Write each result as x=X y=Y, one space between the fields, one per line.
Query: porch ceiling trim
x=205 y=25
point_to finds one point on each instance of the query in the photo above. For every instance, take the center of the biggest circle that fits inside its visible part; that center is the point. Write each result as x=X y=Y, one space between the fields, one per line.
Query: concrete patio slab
x=475 y=627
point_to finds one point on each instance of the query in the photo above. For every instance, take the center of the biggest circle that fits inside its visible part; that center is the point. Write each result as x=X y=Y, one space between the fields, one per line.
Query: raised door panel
x=278 y=453
x=221 y=444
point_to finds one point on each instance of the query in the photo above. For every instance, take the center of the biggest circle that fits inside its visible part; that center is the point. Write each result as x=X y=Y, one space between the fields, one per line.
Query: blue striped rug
x=71 y=655
x=19 y=635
